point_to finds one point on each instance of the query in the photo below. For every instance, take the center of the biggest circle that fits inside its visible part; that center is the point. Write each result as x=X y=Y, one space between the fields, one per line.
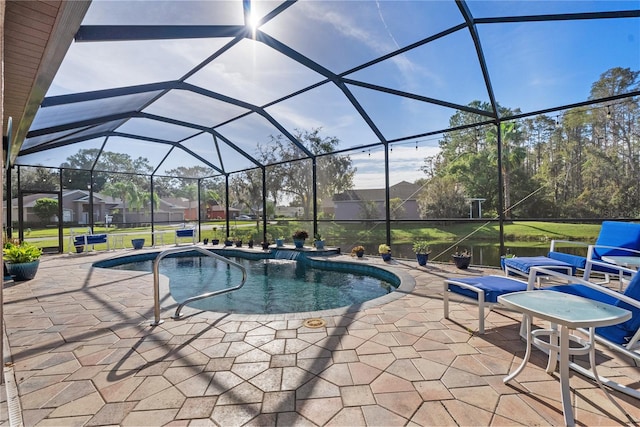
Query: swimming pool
x=273 y=285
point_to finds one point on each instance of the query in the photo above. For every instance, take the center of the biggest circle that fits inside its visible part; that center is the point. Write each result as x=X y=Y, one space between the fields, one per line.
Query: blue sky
x=532 y=66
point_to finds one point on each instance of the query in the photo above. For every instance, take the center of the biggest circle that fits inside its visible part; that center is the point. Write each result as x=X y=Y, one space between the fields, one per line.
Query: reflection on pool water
x=272 y=286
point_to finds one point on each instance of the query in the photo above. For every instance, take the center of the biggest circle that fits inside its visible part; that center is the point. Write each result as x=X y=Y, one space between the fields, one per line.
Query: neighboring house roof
x=181 y=202
x=72 y=196
x=82 y=196
x=403 y=190
x=169 y=204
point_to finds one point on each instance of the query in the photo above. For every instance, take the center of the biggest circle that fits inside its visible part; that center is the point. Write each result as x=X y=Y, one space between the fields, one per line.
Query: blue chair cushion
x=524 y=264
x=632 y=291
x=622 y=332
x=92 y=239
x=619 y=234
x=575 y=260
x=185 y=233
x=492 y=286
x=615 y=334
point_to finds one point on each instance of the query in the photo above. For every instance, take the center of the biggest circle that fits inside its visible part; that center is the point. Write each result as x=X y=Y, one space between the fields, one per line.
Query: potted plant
x=357 y=251
x=385 y=251
x=215 y=239
x=22 y=260
x=237 y=241
x=503 y=257
x=266 y=242
x=318 y=242
x=299 y=237
x=280 y=242
x=422 y=250
x=228 y=241
x=462 y=259
x=250 y=241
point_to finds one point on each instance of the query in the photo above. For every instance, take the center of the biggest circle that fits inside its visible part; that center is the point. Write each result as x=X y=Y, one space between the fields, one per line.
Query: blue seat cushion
x=575 y=260
x=615 y=333
x=185 y=233
x=492 y=286
x=628 y=328
x=618 y=234
x=92 y=239
x=524 y=264
x=632 y=291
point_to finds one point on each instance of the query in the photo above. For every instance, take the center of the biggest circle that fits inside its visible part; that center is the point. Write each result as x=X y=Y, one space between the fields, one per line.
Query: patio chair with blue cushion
x=616 y=238
x=482 y=289
x=522 y=265
x=186 y=233
x=624 y=337
x=87 y=238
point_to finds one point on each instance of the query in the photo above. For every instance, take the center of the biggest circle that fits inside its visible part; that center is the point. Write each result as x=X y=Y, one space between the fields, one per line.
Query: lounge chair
x=615 y=239
x=522 y=265
x=482 y=289
x=624 y=337
x=87 y=238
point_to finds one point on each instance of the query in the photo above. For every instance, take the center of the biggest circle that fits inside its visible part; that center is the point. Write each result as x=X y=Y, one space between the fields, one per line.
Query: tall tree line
x=580 y=163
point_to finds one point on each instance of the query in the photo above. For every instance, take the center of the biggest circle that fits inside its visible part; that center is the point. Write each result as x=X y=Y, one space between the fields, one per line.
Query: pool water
x=272 y=286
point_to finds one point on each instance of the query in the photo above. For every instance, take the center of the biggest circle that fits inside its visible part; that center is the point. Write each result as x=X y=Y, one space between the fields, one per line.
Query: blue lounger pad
x=524 y=264
x=493 y=287
x=576 y=261
x=91 y=239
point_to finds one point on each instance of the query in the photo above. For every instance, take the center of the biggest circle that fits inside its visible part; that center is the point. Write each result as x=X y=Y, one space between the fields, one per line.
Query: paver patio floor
x=83 y=352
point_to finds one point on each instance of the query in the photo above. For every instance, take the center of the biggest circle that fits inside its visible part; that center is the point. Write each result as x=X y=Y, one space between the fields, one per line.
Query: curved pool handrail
x=156 y=280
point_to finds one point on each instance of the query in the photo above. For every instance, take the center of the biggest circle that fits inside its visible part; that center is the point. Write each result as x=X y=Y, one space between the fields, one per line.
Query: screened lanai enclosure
x=365 y=122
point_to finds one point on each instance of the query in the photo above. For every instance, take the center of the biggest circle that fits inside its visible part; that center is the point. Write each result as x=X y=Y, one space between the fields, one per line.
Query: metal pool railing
x=156 y=280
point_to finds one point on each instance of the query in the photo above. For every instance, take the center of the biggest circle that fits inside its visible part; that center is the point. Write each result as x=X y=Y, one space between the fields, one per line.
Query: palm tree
x=126 y=191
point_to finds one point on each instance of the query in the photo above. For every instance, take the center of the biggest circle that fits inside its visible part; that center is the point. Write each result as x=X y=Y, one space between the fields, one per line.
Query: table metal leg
x=565 y=392
x=525 y=319
x=553 y=349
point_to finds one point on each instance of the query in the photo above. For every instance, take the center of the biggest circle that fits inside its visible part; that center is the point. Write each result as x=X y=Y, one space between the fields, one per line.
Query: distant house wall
x=191 y=214
x=348 y=204
x=347 y=209
x=351 y=209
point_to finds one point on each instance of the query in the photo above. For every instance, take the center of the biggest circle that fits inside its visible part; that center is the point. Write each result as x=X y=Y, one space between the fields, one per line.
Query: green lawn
x=518 y=233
